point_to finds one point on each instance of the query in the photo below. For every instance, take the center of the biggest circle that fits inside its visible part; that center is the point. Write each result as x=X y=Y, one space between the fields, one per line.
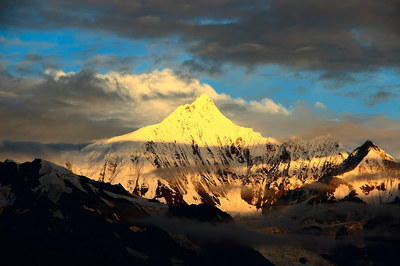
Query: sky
x=74 y=71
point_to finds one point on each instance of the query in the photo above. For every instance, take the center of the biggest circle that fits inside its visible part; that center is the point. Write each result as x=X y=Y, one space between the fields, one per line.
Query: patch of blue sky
x=269 y=81
x=287 y=87
x=70 y=48
x=359 y=95
x=167 y=52
x=213 y=21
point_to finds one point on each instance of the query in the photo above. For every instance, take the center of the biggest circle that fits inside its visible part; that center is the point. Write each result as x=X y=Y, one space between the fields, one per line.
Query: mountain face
x=199 y=123
x=197 y=155
x=50 y=216
x=371 y=174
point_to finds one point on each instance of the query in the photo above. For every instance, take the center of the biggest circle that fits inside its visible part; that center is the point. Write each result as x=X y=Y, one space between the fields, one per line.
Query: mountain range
x=197 y=155
x=197 y=189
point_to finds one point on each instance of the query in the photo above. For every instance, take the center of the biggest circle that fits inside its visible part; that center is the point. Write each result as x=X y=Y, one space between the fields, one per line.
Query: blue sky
x=325 y=59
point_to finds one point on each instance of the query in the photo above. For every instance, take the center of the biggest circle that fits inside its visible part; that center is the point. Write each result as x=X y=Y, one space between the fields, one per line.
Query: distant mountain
x=50 y=216
x=371 y=174
x=197 y=155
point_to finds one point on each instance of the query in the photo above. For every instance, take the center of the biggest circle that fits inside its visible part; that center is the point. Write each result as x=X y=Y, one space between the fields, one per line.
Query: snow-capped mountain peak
x=371 y=173
x=376 y=152
x=197 y=155
x=201 y=123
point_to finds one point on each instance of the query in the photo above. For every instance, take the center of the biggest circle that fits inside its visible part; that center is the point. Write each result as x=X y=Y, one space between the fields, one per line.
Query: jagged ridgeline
x=197 y=155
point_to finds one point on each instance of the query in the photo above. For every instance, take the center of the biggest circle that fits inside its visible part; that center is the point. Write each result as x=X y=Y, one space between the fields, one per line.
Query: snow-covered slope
x=197 y=155
x=374 y=179
x=199 y=122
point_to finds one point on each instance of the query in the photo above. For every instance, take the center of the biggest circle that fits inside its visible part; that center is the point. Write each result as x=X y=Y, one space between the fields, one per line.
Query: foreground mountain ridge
x=197 y=155
x=55 y=217
x=51 y=216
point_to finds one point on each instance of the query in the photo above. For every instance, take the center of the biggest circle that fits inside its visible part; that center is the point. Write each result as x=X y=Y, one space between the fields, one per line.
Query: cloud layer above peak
x=86 y=105
x=82 y=106
x=335 y=36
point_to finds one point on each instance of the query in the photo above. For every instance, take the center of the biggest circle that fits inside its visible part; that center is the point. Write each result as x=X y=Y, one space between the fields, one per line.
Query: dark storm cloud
x=335 y=36
x=211 y=68
x=68 y=108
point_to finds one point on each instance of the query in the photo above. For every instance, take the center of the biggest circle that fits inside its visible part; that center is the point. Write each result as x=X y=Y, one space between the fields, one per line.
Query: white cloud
x=268 y=106
x=158 y=93
x=56 y=74
x=320 y=105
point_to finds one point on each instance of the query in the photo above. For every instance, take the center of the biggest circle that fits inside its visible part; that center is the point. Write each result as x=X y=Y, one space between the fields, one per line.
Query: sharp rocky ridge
x=197 y=155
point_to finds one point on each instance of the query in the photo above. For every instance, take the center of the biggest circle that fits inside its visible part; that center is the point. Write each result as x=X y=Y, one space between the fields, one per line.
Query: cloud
x=320 y=105
x=82 y=106
x=201 y=66
x=12 y=42
x=34 y=64
x=381 y=96
x=117 y=63
x=301 y=90
x=337 y=36
x=22 y=151
x=266 y=105
x=351 y=130
x=79 y=107
x=206 y=233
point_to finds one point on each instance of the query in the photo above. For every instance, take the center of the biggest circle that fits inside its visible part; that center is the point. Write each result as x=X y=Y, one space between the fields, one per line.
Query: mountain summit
x=199 y=122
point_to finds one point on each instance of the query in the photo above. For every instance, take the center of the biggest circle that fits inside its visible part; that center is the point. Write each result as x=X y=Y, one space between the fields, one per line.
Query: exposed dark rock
x=84 y=222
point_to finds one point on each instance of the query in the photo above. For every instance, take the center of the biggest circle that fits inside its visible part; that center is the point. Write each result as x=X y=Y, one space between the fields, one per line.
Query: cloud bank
x=334 y=36
x=83 y=106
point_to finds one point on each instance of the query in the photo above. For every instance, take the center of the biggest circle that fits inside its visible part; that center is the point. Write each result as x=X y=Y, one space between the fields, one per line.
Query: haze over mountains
x=196 y=167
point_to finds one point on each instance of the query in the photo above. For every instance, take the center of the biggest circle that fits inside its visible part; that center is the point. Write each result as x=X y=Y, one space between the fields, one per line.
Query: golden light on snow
x=201 y=122
x=197 y=151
